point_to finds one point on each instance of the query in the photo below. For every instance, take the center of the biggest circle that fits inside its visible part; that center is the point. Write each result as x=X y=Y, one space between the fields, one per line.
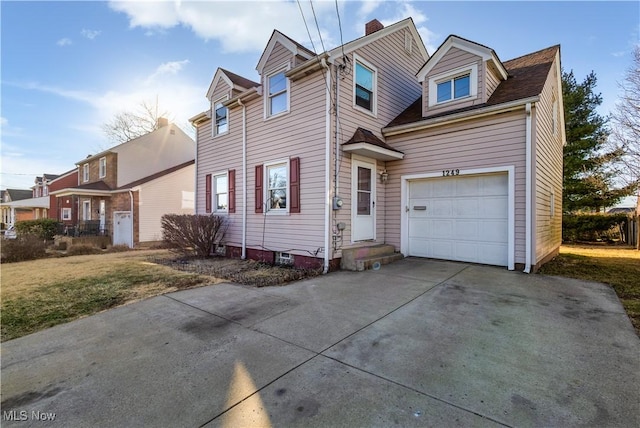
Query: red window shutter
x=232 y=191
x=294 y=185
x=207 y=192
x=259 y=189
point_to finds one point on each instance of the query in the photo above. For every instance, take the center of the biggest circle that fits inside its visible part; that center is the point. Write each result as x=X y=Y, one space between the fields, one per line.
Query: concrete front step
x=362 y=258
x=376 y=261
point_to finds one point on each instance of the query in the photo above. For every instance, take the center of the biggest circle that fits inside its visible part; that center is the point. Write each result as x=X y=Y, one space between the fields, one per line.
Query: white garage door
x=462 y=218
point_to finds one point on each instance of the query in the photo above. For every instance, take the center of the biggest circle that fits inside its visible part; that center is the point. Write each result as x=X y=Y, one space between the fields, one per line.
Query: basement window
x=284 y=259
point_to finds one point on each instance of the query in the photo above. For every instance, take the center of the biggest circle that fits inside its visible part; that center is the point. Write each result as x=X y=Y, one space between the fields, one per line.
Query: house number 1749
x=449 y=172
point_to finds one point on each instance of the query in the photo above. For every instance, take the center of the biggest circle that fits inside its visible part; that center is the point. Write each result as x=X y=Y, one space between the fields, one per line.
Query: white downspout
x=195 y=179
x=528 y=188
x=327 y=168
x=132 y=217
x=244 y=180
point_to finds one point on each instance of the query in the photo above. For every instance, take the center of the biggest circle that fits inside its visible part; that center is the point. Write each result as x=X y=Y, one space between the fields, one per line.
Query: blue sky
x=68 y=67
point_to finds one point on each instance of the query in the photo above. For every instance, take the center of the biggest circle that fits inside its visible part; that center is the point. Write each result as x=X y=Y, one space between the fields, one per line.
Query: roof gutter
x=459 y=117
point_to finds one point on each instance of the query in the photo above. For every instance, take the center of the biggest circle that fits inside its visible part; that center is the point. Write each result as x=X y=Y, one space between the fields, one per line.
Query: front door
x=363 y=205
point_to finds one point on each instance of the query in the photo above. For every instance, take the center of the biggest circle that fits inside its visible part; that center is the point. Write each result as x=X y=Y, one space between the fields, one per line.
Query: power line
x=317 y=26
x=340 y=28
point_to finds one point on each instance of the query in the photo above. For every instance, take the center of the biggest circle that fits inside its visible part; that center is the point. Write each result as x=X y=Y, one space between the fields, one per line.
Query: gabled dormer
x=281 y=55
x=460 y=74
x=225 y=86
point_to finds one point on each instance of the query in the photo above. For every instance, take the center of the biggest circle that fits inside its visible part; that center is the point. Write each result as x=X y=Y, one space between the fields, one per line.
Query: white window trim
x=66 y=211
x=471 y=70
x=374 y=102
x=214 y=132
x=265 y=198
x=85 y=172
x=554 y=108
x=101 y=173
x=214 y=193
x=267 y=110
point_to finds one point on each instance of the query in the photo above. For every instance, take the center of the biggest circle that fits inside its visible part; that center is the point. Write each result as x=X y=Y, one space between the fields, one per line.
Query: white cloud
x=167 y=68
x=366 y=8
x=90 y=34
x=64 y=42
x=3 y=121
x=618 y=54
x=237 y=26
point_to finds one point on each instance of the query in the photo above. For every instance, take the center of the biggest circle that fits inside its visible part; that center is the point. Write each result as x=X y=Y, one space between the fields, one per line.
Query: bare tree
x=625 y=129
x=128 y=125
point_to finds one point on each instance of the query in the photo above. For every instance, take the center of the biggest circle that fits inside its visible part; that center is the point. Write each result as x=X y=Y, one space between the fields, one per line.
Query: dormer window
x=277 y=100
x=455 y=85
x=453 y=89
x=221 y=114
x=364 y=88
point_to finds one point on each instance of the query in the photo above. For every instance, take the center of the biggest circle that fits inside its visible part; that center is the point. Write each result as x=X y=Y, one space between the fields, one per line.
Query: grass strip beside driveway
x=617 y=266
x=42 y=293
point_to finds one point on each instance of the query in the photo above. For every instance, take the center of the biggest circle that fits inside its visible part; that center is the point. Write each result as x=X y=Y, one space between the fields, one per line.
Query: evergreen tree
x=589 y=180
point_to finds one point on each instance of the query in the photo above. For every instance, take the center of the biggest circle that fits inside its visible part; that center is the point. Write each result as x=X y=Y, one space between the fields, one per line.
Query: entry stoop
x=363 y=258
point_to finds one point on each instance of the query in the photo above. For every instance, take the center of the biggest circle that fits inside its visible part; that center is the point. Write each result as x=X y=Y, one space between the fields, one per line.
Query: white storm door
x=363 y=197
x=122 y=228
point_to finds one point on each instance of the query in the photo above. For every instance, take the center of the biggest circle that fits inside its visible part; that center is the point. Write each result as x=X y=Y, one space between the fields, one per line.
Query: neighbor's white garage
x=463 y=218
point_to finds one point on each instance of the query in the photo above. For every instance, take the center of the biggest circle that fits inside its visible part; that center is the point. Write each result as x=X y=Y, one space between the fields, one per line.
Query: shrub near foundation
x=44 y=228
x=193 y=234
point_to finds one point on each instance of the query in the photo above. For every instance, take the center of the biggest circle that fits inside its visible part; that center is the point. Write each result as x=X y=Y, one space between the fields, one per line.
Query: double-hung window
x=103 y=167
x=455 y=88
x=221 y=117
x=277 y=182
x=221 y=192
x=66 y=214
x=364 y=88
x=278 y=93
x=85 y=172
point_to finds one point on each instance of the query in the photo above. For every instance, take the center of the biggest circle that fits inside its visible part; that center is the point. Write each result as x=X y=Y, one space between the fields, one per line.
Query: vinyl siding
x=455 y=58
x=166 y=195
x=492 y=82
x=279 y=56
x=548 y=171
x=152 y=153
x=397 y=88
x=496 y=141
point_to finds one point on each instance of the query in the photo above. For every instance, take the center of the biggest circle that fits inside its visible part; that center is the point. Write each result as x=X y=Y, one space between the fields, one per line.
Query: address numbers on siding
x=450 y=172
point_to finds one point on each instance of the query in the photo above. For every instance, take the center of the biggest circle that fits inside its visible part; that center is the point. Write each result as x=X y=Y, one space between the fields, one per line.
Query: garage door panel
x=466 y=208
x=465 y=218
x=466 y=230
x=440 y=208
x=493 y=185
x=493 y=207
x=493 y=231
x=467 y=187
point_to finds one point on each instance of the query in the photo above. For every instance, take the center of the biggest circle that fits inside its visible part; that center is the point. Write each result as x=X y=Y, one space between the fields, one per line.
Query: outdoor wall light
x=384 y=176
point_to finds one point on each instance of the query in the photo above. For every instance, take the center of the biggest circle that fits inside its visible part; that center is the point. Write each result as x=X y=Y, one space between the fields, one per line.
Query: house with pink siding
x=375 y=149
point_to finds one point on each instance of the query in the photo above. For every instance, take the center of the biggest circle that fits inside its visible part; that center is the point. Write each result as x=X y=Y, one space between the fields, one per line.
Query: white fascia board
x=458 y=117
x=81 y=192
x=278 y=37
x=373 y=151
x=214 y=83
x=455 y=42
x=365 y=40
x=200 y=117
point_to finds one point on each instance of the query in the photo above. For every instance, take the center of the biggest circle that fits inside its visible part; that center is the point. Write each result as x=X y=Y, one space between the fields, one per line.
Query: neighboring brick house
x=457 y=156
x=63 y=209
x=20 y=204
x=124 y=191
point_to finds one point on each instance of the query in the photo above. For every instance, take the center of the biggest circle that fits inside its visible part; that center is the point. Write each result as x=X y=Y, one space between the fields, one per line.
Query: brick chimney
x=372 y=26
x=162 y=122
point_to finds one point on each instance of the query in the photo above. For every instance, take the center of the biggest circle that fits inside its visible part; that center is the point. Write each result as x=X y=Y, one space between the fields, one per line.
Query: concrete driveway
x=417 y=343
